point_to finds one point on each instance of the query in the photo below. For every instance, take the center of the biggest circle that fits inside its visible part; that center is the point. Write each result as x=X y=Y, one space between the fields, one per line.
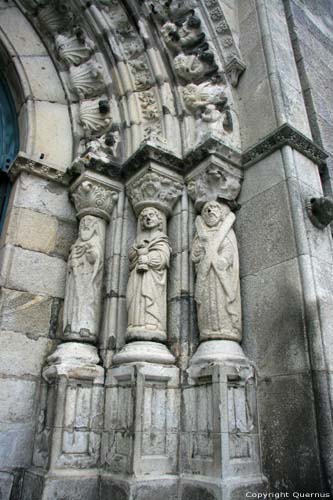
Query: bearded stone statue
x=146 y=291
x=217 y=290
x=84 y=279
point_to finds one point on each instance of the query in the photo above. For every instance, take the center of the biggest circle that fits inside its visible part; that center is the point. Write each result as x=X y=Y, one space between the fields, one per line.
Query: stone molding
x=32 y=166
x=286 y=135
x=94 y=194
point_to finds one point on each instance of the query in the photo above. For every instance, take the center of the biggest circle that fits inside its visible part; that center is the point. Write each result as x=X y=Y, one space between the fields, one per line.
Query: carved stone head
x=150 y=218
x=87 y=227
x=213 y=212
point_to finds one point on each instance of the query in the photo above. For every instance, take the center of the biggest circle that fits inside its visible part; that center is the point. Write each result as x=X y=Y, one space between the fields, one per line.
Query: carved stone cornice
x=154 y=186
x=214 y=179
x=286 y=135
x=94 y=194
x=147 y=153
x=211 y=146
x=23 y=163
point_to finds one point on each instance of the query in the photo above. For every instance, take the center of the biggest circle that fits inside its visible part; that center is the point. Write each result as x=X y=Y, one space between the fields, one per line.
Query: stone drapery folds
x=217 y=291
x=146 y=291
x=84 y=280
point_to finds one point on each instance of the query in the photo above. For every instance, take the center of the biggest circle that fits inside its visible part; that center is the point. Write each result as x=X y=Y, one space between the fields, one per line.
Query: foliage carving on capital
x=90 y=198
x=154 y=190
x=213 y=183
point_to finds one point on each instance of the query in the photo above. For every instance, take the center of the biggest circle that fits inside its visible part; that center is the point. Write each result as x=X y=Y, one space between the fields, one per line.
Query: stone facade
x=166 y=259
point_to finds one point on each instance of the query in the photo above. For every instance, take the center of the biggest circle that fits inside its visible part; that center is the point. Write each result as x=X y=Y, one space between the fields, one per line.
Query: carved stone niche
x=214 y=179
x=94 y=197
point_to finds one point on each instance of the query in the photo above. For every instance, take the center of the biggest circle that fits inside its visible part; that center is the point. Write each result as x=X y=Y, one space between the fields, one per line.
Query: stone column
x=70 y=426
x=220 y=442
x=140 y=444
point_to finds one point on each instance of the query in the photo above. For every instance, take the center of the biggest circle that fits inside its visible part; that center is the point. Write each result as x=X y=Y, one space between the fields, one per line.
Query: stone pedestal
x=140 y=440
x=220 y=455
x=67 y=443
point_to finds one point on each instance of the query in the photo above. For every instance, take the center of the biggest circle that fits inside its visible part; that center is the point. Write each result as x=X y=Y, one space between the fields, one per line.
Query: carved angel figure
x=84 y=278
x=217 y=290
x=146 y=291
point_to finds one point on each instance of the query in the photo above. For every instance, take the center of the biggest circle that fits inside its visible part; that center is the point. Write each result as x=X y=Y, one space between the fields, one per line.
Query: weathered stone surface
x=264 y=231
x=33 y=230
x=32 y=486
x=6 y=482
x=42 y=196
x=18 y=400
x=291 y=460
x=198 y=492
x=119 y=490
x=64 y=488
x=138 y=489
x=261 y=176
x=16 y=444
x=16 y=261
x=43 y=79
x=53 y=128
x=264 y=307
x=26 y=313
x=23 y=35
x=21 y=355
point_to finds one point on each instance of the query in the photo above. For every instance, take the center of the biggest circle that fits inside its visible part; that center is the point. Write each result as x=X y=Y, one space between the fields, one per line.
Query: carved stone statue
x=146 y=292
x=217 y=291
x=84 y=279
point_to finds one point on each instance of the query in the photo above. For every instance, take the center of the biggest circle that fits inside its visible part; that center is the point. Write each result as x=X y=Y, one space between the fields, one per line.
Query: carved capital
x=213 y=179
x=94 y=194
x=154 y=186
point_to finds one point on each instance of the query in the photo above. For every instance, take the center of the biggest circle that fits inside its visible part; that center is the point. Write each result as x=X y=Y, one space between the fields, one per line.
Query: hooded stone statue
x=217 y=290
x=84 y=278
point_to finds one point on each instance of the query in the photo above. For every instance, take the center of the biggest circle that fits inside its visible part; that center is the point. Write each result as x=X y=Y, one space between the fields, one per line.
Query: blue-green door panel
x=9 y=137
x=9 y=143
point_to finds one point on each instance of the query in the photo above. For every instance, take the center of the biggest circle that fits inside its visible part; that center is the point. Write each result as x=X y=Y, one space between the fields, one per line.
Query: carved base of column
x=232 y=489
x=136 y=333
x=140 y=438
x=218 y=351
x=46 y=486
x=220 y=452
x=150 y=352
x=67 y=442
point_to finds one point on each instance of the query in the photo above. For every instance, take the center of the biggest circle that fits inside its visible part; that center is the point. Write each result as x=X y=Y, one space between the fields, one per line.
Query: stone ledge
x=286 y=135
x=24 y=163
